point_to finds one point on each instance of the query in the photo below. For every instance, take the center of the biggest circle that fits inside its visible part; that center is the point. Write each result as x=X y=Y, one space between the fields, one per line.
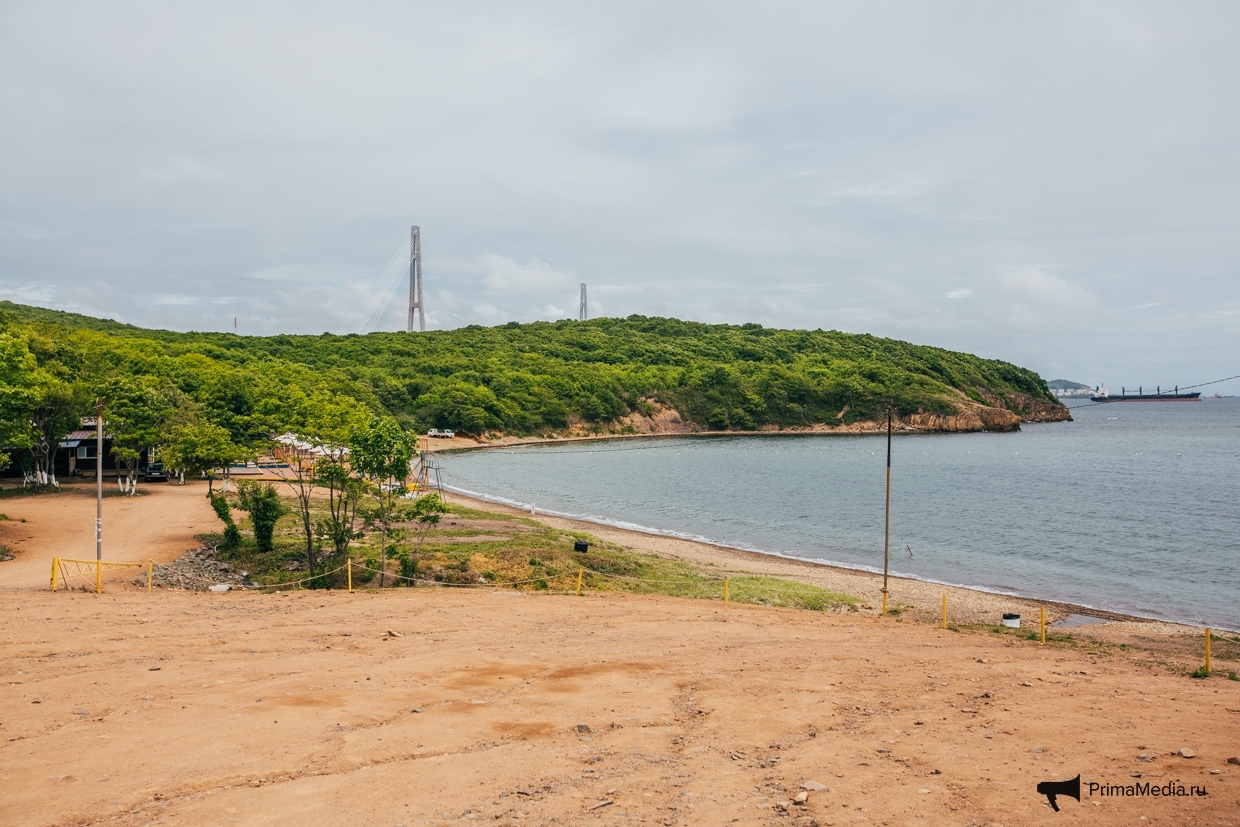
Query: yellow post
x=725 y=591
x=55 y=565
x=98 y=577
x=884 y=602
x=1042 y=622
x=150 y=570
x=944 y=611
x=580 y=574
x=1207 y=650
x=348 y=567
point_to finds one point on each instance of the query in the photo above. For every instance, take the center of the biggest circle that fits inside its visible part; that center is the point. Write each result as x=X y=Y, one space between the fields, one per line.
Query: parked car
x=440 y=434
x=433 y=432
x=155 y=472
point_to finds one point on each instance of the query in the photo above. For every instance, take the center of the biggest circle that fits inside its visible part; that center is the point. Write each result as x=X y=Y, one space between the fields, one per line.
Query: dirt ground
x=434 y=705
x=160 y=525
x=193 y=708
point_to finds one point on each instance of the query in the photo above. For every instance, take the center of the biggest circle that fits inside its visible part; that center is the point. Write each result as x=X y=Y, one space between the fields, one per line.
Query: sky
x=1055 y=184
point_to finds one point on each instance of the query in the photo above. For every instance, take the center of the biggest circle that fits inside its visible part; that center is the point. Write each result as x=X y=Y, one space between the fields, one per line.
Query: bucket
x=581 y=545
x=1012 y=621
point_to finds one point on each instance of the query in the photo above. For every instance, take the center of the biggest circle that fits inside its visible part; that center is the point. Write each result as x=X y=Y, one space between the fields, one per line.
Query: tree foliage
x=265 y=510
x=523 y=379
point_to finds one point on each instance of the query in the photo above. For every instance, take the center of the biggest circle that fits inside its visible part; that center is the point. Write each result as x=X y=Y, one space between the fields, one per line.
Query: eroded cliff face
x=970 y=417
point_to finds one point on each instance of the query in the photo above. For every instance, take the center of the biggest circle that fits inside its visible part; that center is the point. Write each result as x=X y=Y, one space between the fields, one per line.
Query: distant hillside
x=1066 y=385
x=606 y=375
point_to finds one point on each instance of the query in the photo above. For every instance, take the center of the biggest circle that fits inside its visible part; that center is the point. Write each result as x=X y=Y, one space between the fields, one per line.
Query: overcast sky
x=1055 y=184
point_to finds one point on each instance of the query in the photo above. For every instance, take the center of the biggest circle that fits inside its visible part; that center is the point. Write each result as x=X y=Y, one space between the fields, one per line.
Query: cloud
x=1046 y=291
x=37 y=294
x=185 y=175
x=505 y=275
x=961 y=293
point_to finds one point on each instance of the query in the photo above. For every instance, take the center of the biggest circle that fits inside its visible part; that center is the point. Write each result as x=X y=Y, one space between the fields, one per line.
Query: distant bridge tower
x=582 y=310
x=415 y=280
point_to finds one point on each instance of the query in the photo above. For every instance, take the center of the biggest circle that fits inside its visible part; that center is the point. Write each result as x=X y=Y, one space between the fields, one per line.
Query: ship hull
x=1150 y=397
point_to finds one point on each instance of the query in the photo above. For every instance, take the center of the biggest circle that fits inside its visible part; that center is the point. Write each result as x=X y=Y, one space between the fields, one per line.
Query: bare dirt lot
x=159 y=526
x=192 y=708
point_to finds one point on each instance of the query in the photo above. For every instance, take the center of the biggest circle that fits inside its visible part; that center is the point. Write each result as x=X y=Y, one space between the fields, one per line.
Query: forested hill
x=538 y=378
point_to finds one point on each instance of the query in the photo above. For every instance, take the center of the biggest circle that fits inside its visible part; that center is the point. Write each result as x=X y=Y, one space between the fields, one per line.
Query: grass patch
x=470 y=547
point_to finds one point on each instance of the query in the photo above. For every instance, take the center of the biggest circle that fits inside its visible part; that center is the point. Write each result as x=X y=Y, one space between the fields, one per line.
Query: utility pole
x=887 y=524
x=582 y=309
x=99 y=497
x=415 y=280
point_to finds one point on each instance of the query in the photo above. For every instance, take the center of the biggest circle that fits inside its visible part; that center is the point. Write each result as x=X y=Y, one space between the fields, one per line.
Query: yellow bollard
x=55 y=565
x=98 y=577
x=580 y=574
x=725 y=591
x=1042 y=622
x=944 y=611
x=348 y=567
x=1207 y=650
x=150 y=570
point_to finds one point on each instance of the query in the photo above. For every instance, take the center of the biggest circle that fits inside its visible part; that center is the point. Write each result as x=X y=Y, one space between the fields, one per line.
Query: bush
x=263 y=503
x=232 y=537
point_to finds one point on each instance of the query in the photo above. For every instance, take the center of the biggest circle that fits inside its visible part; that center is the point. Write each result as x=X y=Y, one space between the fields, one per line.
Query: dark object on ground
x=581 y=545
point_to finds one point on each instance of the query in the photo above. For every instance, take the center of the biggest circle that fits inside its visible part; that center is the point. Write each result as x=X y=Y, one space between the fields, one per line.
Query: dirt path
x=159 y=526
x=190 y=708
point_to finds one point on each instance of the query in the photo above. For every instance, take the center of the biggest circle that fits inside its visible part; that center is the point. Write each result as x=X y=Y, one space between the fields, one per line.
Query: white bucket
x=1012 y=621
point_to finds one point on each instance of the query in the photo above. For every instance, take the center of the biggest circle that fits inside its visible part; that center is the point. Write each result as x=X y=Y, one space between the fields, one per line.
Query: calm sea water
x=1132 y=507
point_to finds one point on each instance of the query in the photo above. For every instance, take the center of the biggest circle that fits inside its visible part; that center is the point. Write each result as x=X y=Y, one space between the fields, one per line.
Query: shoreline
x=866 y=427
x=968 y=603
x=460 y=444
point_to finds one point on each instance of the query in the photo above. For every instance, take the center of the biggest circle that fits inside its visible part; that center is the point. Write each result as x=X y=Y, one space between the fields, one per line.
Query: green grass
x=523 y=554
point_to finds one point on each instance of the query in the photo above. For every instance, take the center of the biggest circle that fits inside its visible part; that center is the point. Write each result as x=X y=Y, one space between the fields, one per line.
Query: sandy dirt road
x=497 y=707
x=158 y=526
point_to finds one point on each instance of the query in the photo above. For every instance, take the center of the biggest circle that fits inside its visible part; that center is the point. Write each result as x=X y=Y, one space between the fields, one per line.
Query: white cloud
x=489 y=314
x=38 y=294
x=1046 y=291
x=962 y=293
x=505 y=275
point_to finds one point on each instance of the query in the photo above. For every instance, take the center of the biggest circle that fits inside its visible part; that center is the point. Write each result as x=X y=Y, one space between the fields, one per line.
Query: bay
x=1132 y=507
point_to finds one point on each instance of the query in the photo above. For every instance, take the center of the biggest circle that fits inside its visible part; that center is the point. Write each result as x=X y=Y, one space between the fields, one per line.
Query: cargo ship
x=1101 y=394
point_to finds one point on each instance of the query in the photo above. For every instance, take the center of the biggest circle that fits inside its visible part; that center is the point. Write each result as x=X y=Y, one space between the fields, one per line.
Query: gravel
x=197 y=569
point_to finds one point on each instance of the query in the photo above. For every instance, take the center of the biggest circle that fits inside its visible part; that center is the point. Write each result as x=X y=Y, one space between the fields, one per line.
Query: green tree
x=426 y=512
x=232 y=535
x=19 y=380
x=316 y=441
x=265 y=509
x=56 y=411
x=200 y=448
x=137 y=411
x=381 y=453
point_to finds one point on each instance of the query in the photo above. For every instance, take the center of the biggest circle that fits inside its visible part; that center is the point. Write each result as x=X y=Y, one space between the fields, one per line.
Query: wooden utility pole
x=887 y=524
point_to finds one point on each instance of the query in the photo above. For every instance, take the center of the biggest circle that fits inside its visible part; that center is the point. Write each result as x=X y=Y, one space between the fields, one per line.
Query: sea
x=1132 y=507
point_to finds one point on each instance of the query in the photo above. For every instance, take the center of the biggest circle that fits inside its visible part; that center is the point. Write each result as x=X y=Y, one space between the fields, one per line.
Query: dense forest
x=517 y=379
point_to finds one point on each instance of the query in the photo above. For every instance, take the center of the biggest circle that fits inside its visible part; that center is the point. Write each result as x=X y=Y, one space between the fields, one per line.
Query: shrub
x=263 y=503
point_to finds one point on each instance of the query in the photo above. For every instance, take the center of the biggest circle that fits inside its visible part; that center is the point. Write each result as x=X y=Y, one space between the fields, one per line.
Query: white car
x=444 y=434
